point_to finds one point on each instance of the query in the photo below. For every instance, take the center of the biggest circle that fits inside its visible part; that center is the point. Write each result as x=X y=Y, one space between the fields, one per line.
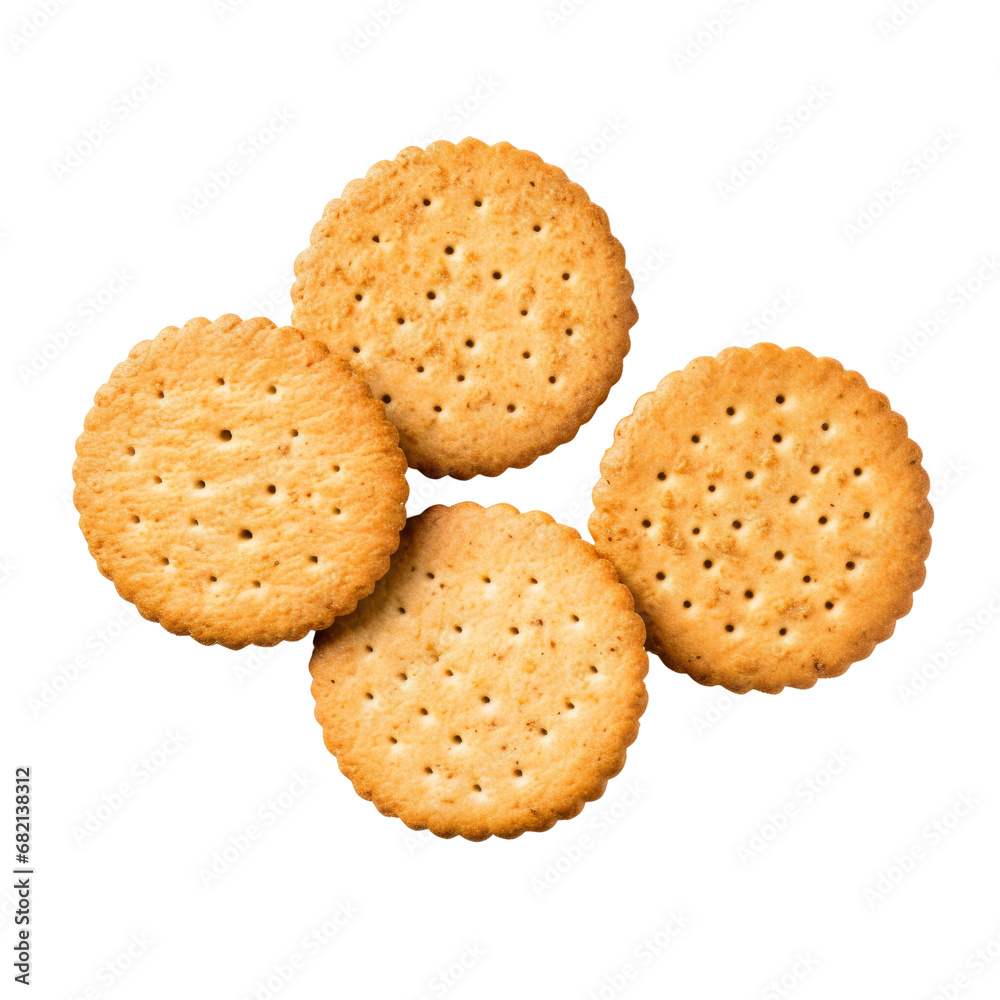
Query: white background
x=602 y=93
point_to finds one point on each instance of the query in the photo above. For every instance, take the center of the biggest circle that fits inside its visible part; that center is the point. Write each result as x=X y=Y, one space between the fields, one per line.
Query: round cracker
x=238 y=483
x=482 y=296
x=492 y=682
x=770 y=515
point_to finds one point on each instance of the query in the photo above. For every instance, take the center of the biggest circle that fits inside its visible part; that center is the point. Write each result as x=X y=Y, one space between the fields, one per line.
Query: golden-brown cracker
x=769 y=514
x=482 y=296
x=238 y=483
x=492 y=682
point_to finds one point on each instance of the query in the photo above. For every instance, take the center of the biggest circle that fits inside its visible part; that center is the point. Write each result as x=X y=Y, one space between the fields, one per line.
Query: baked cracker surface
x=481 y=294
x=491 y=683
x=770 y=515
x=238 y=483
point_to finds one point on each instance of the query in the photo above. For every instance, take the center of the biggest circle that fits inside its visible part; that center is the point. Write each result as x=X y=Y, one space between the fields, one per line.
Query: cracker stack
x=466 y=306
